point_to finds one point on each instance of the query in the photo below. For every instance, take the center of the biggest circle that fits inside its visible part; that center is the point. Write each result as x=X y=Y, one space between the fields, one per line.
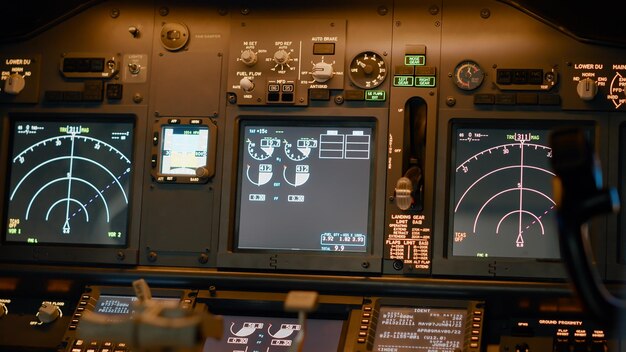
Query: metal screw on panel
x=212 y=291
x=398 y=265
x=203 y=259
x=339 y=100
x=431 y=92
x=245 y=11
x=121 y=255
x=485 y=13
x=215 y=114
x=164 y=11
x=137 y=98
x=365 y=265
x=450 y=101
x=391 y=198
x=433 y=9
x=437 y=23
x=383 y=10
x=152 y=257
x=232 y=98
x=398 y=23
x=115 y=13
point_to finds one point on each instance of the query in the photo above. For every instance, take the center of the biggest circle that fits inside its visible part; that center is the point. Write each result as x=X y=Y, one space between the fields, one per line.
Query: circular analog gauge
x=301 y=149
x=468 y=75
x=263 y=148
x=367 y=70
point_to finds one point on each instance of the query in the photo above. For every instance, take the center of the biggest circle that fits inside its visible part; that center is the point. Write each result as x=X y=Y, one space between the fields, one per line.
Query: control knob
x=587 y=89
x=48 y=313
x=322 y=72
x=246 y=84
x=14 y=84
x=3 y=309
x=282 y=57
x=248 y=57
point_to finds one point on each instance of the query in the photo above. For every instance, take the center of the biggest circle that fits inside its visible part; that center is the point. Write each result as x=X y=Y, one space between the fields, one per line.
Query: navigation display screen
x=304 y=188
x=244 y=333
x=184 y=149
x=402 y=329
x=69 y=182
x=502 y=202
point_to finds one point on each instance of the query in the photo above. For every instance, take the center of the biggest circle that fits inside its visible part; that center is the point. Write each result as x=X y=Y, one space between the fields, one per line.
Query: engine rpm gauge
x=301 y=150
x=263 y=148
x=367 y=70
x=468 y=75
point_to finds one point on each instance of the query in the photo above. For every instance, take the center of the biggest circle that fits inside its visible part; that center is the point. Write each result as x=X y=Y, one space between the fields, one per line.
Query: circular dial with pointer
x=468 y=75
x=263 y=148
x=367 y=70
x=301 y=149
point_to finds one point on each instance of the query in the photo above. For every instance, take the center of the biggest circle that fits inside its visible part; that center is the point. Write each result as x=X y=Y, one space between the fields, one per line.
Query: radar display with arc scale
x=69 y=182
x=501 y=197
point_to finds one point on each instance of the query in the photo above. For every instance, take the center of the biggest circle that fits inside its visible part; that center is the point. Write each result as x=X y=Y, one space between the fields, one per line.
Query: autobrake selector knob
x=587 y=89
x=322 y=72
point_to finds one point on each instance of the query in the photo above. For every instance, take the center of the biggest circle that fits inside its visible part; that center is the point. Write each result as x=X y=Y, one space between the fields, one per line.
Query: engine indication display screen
x=269 y=334
x=184 y=149
x=304 y=187
x=69 y=182
x=502 y=202
x=401 y=329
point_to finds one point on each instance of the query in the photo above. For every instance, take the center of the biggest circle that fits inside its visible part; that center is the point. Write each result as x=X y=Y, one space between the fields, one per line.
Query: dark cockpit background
x=391 y=156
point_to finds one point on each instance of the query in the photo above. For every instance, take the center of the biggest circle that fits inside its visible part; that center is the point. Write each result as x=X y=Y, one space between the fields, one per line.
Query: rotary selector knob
x=48 y=313
x=248 y=57
x=587 y=89
x=14 y=84
x=282 y=57
x=246 y=84
x=322 y=72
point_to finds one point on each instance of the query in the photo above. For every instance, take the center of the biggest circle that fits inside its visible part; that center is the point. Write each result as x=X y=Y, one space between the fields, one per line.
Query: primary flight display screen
x=420 y=329
x=69 y=181
x=184 y=149
x=501 y=202
x=304 y=188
